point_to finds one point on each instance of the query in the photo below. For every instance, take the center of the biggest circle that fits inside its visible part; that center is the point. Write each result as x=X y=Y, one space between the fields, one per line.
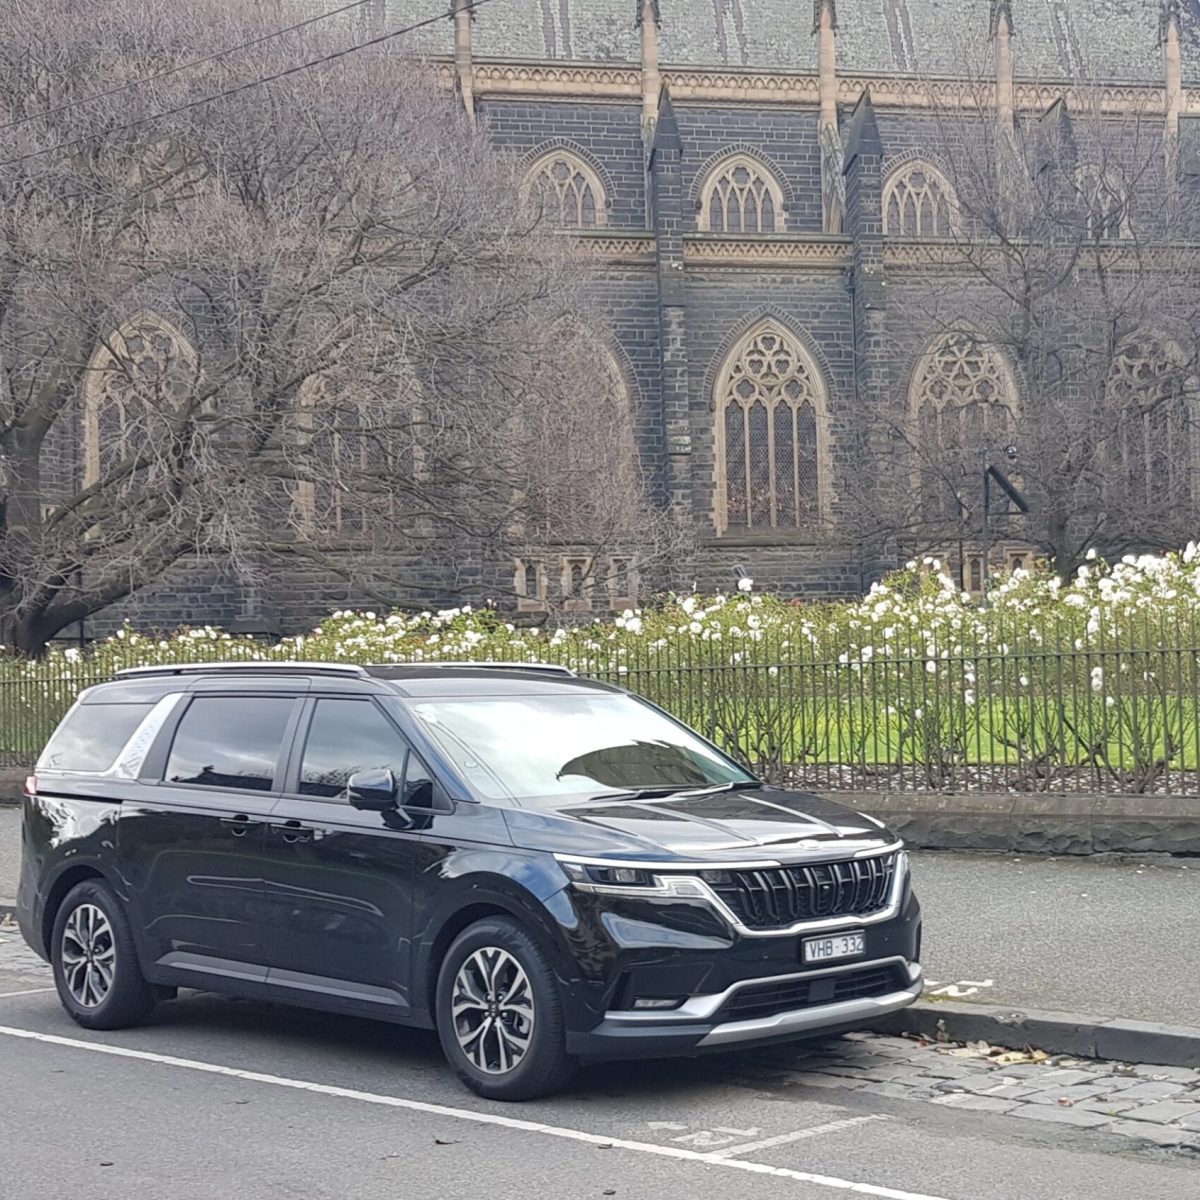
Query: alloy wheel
x=89 y=957
x=493 y=1010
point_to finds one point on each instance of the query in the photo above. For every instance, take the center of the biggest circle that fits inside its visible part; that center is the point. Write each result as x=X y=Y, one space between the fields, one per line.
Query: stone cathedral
x=754 y=183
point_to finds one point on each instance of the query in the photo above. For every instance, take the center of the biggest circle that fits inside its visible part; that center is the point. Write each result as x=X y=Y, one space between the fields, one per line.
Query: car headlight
x=633 y=881
x=622 y=877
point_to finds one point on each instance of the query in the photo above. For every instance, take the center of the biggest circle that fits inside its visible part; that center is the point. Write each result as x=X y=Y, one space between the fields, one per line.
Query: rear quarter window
x=91 y=736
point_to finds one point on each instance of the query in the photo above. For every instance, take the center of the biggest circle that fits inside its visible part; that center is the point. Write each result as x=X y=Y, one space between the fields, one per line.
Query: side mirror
x=372 y=791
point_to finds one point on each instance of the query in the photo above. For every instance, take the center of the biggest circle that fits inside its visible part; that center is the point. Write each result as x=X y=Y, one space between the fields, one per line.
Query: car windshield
x=588 y=744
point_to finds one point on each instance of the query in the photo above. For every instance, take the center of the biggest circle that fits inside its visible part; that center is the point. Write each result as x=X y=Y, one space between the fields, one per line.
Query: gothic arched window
x=140 y=381
x=1104 y=203
x=1150 y=389
x=918 y=202
x=741 y=196
x=771 y=406
x=962 y=400
x=569 y=191
x=346 y=462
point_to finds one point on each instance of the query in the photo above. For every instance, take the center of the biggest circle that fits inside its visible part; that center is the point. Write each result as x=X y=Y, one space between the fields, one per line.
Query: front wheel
x=96 y=969
x=500 y=1015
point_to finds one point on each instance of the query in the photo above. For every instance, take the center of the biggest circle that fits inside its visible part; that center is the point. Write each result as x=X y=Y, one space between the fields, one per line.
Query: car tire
x=500 y=1014
x=96 y=969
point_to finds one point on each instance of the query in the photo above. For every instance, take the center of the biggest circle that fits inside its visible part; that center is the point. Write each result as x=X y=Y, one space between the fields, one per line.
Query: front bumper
x=689 y=1031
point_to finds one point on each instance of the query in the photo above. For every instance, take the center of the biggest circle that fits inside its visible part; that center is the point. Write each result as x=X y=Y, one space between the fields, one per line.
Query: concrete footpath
x=1083 y=935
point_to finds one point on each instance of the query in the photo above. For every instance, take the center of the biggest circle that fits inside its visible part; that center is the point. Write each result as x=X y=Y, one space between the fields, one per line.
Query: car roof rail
x=547 y=668
x=246 y=668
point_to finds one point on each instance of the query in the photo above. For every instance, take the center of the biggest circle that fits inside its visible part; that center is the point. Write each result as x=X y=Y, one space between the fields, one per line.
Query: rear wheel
x=96 y=969
x=500 y=1015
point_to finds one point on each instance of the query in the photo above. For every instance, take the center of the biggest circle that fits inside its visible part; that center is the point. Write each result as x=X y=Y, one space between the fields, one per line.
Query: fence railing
x=1112 y=720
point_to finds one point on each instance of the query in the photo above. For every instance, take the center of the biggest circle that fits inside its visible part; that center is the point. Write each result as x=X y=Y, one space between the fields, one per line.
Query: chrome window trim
x=701 y=1008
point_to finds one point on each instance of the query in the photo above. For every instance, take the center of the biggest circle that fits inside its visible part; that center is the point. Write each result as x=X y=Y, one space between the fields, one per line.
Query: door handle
x=240 y=825
x=293 y=831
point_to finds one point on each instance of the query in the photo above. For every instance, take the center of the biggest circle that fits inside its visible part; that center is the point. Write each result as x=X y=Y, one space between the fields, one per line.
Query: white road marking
x=798 y=1135
x=478 y=1118
x=959 y=990
x=26 y=992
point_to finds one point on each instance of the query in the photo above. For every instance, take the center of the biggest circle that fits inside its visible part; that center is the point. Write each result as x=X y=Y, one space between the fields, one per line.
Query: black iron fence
x=1114 y=719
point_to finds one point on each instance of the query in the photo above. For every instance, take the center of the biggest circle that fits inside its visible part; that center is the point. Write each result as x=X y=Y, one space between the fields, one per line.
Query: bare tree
x=308 y=320
x=1049 y=289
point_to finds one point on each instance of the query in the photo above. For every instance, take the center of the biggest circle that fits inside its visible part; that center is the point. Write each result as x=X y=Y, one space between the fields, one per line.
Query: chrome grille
x=776 y=897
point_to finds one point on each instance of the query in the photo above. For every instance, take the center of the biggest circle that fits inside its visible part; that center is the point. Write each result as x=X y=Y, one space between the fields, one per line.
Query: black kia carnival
x=543 y=868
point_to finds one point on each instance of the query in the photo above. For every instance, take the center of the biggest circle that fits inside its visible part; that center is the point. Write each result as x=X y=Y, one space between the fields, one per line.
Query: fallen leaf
x=1011 y=1058
x=106 y=1164
x=610 y=1191
x=604 y=1146
x=443 y=1142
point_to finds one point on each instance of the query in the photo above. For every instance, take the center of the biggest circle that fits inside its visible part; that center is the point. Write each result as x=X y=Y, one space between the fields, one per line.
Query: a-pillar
x=667 y=209
x=833 y=194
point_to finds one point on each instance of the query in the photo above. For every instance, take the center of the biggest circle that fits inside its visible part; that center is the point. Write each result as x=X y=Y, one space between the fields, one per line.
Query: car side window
x=229 y=742
x=346 y=736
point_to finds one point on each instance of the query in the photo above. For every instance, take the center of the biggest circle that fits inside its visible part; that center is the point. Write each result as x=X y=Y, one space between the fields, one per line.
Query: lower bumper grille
x=769 y=999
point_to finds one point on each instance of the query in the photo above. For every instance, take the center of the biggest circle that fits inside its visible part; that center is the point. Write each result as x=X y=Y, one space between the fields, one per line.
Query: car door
x=339 y=880
x=190 y=844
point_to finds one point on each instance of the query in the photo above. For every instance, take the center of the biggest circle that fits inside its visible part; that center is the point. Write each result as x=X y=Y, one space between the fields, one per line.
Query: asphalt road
x=1116 y=939
x=219 y=1098
x=1069 y=934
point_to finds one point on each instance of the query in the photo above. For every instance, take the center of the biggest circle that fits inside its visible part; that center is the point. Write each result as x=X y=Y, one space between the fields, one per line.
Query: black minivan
x=543 y=868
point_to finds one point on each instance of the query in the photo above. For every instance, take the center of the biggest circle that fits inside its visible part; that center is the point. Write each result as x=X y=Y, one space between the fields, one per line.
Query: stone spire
x=833 y=187
x=863 y=138
x=1002 y=33
x=648 y=20
x=1169 y=30
x=464 y=68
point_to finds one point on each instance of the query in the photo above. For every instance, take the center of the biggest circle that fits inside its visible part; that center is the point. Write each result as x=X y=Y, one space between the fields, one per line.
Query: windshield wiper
x=662 y=792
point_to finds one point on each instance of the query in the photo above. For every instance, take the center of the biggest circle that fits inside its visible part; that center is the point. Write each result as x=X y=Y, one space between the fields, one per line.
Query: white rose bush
x=1052 y=686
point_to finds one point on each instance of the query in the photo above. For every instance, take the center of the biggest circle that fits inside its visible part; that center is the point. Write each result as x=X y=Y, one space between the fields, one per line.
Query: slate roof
x=1108 y=40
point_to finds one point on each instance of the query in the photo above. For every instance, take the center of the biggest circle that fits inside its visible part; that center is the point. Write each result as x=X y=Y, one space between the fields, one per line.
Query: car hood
x=763 y=824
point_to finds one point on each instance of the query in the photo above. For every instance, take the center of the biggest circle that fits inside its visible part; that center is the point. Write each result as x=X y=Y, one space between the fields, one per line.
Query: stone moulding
x=823 y=253
x=618 y=81
x=514 y=79
x=1114 y=256
x=634 y=249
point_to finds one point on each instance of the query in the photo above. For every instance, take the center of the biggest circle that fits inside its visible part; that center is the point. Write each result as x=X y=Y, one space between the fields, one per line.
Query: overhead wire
x=195 y=62
x=249 y=85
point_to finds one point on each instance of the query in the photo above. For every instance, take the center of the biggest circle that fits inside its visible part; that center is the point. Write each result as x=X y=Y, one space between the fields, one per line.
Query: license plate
x=838 y=945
